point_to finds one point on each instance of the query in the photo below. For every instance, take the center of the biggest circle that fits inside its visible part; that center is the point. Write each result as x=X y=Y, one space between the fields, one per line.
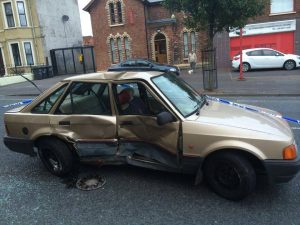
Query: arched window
x=185 y=44
x=120 y=50
x=119 y=9
x=127 y=47
x=112 y=50
x=193 y=41
x=112 y=13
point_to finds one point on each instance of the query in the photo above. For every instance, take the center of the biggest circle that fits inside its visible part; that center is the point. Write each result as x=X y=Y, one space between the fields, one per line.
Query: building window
x=120 y=50
x=115 y=10
x=193 y=41
x=112 y=13
x=185 y=44
x=16 y=54
x=28 y=53
x=280 y=6
x=112 y=50
x=127 y=47
x=22 y=14
x=9 y=14
x=119 y=9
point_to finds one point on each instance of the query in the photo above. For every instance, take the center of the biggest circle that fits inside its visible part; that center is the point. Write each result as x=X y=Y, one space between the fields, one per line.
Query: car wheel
x=246 y=67
x=289 y=65
x=56 y=156
x=230 y=175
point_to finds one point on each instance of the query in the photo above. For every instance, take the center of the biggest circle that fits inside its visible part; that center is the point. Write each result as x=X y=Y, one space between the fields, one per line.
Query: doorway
x=2 y=67
x=160 y=44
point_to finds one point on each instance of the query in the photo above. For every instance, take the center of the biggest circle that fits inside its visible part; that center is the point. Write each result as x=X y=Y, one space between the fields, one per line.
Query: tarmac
x=256 y=83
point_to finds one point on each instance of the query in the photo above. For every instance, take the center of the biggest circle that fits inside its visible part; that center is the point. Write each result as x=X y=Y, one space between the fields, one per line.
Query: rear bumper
x=282 y=171
x=20 y=145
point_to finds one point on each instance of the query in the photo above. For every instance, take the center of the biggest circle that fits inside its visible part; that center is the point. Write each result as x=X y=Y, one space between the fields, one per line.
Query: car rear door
x=256 y=59
x=141 y=140
x=84 y=117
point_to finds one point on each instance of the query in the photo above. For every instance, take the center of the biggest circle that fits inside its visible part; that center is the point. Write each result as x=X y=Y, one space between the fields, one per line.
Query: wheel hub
x=91 y=182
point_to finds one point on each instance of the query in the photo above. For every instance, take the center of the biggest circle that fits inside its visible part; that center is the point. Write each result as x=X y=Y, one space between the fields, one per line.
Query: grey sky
x=85 y=18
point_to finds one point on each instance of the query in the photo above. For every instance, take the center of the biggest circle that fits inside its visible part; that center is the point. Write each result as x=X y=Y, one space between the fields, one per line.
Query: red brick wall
x=134 y=26
x=88 y=41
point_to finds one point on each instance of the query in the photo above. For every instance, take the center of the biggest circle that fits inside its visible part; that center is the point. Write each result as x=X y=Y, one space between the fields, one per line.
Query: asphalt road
x=30 y=195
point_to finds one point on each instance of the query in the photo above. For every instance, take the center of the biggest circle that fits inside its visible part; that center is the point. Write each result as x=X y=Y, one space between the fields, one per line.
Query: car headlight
x=173 y=70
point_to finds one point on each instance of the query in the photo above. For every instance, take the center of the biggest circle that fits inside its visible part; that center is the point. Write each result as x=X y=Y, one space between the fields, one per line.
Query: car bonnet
x=231 y=116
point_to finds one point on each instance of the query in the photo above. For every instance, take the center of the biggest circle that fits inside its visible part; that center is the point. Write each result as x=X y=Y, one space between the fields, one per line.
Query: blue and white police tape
x=253 y=110
x=24 y=102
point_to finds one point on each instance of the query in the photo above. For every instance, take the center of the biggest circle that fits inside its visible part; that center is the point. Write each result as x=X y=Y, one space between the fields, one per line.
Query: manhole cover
x=90 y=183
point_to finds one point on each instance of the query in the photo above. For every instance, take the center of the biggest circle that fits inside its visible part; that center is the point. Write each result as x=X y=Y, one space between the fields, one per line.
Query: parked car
x=261 y=58
x=153 y=120
x=144 y=65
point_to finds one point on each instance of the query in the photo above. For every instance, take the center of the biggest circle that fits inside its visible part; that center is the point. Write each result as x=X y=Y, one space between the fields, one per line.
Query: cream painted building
x=29 y=29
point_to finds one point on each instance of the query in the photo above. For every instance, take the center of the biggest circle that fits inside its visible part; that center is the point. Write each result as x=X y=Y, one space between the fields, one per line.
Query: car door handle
x=64 y=123
x=126 y=123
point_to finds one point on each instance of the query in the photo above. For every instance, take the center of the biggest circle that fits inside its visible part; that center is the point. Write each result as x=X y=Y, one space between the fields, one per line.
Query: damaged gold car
x=157 y=121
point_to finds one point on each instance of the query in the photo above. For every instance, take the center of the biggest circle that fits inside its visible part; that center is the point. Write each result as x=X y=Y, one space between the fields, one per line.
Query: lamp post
x=241 y=55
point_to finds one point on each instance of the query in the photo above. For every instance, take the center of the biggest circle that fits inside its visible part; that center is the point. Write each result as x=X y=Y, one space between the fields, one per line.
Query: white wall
x=56 y=33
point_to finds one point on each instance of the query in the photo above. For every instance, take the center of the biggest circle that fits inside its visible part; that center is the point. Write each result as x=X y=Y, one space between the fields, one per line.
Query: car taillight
x=236 y=58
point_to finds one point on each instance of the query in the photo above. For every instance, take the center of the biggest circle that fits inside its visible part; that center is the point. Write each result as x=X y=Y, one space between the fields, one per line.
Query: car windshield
x=179 y=93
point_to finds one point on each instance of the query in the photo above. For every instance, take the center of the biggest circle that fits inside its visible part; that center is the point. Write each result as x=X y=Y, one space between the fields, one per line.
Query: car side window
x=86 y=98
x=129 y=63
x=46 y=105
x=134 y=99
x=255 y=53
x=142 y=63
x=269 y=52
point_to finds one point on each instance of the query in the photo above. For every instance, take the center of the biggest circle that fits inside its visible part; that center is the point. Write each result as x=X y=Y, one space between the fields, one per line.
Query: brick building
x=278 y=28
x=140 y=28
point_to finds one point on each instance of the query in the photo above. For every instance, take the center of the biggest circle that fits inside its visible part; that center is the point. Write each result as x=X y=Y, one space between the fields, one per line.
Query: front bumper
x=20 y=145
x=282 y=171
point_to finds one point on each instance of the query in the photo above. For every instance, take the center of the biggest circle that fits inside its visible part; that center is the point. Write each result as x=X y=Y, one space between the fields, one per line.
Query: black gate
x=209 y=69
x=75 y=60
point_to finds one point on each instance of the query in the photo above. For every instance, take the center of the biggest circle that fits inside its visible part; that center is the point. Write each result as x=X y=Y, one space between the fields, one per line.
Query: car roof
x=253 y=49
x=110 y=76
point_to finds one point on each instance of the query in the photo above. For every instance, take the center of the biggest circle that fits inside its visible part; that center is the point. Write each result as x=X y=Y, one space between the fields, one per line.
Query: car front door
x=84 y=116
x=273 y=59
x=141 y=140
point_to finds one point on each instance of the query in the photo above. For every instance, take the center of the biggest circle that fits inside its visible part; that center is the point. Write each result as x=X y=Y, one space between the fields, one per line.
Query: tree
x=213 y=16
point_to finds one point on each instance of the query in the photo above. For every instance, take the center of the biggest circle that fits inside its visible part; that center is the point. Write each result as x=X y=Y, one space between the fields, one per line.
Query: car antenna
x=30 y=81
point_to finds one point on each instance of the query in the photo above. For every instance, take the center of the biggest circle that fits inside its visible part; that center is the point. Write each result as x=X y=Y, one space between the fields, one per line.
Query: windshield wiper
x=202 y=103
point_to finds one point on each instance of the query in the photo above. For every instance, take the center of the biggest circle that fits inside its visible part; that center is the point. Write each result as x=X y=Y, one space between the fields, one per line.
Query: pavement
x=259 y=82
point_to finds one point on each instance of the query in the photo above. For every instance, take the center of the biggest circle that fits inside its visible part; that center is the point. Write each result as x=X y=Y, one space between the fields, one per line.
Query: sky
x=85 y=18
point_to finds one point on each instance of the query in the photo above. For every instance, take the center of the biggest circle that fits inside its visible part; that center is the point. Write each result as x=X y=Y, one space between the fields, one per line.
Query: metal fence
x=209 y=69
x=75 y=60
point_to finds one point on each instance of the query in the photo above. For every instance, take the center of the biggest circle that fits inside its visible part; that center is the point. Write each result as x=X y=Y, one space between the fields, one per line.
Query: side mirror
x=164 y=118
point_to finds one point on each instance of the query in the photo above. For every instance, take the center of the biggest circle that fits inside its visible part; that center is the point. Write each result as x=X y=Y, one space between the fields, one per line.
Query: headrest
x=124 y=97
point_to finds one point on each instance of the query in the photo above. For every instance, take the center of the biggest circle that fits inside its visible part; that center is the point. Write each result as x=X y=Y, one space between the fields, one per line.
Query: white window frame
x=11 y=53
x=3 y=58
x=32 y=50
x=4 y=14
x=282 y=12
x=26 y=13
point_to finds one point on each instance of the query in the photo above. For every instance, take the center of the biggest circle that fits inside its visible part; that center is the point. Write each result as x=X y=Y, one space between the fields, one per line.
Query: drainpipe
x=33 y=32
x=147 y=44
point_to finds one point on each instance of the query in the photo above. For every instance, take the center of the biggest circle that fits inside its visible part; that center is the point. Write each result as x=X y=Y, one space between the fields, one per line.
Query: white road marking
x=295 y=128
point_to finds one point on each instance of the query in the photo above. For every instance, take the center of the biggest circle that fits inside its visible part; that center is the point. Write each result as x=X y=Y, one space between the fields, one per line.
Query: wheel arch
x=60 y=138
x=252 y=158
